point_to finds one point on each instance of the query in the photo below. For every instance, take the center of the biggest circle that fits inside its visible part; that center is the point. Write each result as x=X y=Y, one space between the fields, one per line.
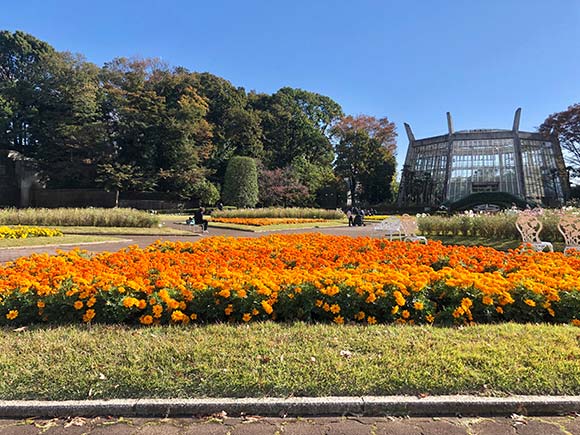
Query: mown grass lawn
x=61 y=240
x=269 y=359
x=127 y=231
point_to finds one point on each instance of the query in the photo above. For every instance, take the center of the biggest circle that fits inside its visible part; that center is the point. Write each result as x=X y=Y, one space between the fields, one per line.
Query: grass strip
x=46 y=241
x=268 y=359
x=125 y=231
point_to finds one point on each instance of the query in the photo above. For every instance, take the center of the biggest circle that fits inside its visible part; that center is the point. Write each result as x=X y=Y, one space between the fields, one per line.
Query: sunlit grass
x=268 y=359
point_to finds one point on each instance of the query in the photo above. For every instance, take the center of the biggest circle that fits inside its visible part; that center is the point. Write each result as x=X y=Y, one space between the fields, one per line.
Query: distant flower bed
x=24 y=232
x=280 y=212
x=260 y=222
x=304 y=277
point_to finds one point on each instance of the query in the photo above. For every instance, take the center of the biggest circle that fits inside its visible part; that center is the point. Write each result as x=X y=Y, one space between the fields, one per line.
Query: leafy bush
x=241 y=182
x=94 y=217
x=277 y=212
x=493 y=226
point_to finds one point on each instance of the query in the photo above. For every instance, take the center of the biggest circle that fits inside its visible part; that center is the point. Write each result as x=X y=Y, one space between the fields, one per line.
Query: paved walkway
x=251 y=425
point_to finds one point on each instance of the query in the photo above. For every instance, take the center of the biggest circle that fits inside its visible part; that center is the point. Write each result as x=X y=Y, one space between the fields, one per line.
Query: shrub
x=94 y=217
x=241 y=182
x=493 y=226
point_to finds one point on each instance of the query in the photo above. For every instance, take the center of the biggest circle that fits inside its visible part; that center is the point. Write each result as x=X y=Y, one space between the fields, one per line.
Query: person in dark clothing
x=199 y=220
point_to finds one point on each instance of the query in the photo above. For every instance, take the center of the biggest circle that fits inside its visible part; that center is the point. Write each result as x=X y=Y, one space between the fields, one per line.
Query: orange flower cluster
x=309 y=277
x=260 y=222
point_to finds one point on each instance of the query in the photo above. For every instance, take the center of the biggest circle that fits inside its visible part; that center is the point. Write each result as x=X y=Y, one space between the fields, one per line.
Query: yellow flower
x=40 y=304
x=530 y=302
x=12 y=314
x=91 y=302
x=405 y=314
x=339 y=320
x=228 y=310
x=430 y=318
x=395 y=310
x=371 y=320
x=78 y=305
x=335 y=309
x=486 y=300
x=193 y=316
x=246 y=317
x=326 y=307
x=318 y=303
x=418 y=306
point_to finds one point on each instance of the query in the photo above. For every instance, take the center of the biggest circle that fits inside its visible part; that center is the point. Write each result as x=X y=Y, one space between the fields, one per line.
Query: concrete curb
x=371 y=406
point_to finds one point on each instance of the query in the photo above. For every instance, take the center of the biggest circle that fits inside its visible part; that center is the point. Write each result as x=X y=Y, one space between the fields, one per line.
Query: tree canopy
x=139 y=124
x=566 y=126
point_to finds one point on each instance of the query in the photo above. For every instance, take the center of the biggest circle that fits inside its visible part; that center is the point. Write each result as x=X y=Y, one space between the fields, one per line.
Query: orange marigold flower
x=371 y=320
x=89 y=315
x=486 y=300
x=246 y=317
x=78 y=305
x=499 y=310
x=318 y=303
x=228 y=310
x=405 y=314
x=12 y=314
x=530 y=302
x=157 y=310
x=146 y=319
x=267 y=307
x=335 y=309
x=575 y=322
x=339 y=320
x=40 y=304
x=360 y=315
x=92 y=301
x=430 y=318
x=418 y=306
x=193 y=316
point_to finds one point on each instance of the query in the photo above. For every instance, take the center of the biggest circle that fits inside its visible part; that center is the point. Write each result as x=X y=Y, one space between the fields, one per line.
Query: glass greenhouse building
x=444 y=169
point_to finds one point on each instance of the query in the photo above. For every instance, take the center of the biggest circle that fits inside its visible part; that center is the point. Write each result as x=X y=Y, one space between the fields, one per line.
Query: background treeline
x=141 y=125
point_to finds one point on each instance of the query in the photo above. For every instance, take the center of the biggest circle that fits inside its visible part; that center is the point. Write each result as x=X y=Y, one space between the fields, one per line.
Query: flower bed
x=24 y=232
x=309 y=277
x=261 y=222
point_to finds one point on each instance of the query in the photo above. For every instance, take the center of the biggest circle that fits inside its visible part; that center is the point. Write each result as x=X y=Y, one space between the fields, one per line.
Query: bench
x=390 y=227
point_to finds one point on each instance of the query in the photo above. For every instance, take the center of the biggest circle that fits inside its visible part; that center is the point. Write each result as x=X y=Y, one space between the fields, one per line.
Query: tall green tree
x=365 y=148
x=296 y=123
x=235 y=125
x=156 y=122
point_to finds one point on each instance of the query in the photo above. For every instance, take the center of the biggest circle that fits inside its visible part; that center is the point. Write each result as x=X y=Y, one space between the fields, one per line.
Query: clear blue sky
x=410 y=61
